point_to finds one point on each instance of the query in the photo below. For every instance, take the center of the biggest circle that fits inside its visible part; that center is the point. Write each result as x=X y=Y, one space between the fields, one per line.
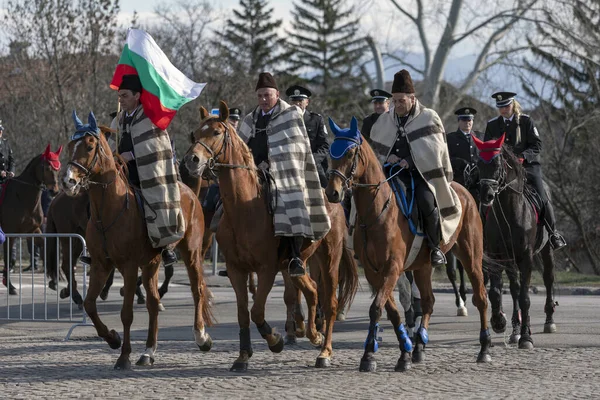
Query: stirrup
x=437 y=257
x=168 y=257
x=557 y=241
x=298 y=269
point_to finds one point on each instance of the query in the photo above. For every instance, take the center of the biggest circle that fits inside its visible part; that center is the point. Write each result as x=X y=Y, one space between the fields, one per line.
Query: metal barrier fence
x=48 y=309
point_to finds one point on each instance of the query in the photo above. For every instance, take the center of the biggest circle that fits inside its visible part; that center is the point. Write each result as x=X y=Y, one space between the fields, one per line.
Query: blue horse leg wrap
x=406 y=342
x=484 y=336
x=422 y=332
x=373 y=329
x=264 y=329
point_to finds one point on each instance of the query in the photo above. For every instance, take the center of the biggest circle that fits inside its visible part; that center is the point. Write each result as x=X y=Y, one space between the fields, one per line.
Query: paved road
x=35 y=363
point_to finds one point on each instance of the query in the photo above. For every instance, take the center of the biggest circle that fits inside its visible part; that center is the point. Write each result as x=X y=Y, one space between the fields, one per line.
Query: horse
x=513 y=238
x=20 y=204
x=246 y=236
x=382 y=241
x=112 y=204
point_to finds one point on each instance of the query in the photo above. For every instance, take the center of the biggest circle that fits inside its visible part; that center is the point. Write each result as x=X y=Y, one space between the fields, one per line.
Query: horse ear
x=77 y=121
x=223 y=111
x=354 y=124
x=59 y=150
x=478 y=143
x=334 y=128
x=203 y=113
x=500 y=141
x=92 y=121
x=47 y=151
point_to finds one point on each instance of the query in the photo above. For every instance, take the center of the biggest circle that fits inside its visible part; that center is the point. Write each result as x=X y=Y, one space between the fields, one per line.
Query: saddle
x=534 y=199
x=405 y=199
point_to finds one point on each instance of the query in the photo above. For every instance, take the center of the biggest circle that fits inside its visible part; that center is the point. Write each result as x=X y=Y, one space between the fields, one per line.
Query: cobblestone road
x=35 y=363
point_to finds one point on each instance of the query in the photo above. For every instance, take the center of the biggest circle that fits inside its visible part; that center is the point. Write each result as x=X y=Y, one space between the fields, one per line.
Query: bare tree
x=459 y=21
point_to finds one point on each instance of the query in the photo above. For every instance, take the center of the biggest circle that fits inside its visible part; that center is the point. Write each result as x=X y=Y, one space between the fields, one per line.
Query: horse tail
x=493 y=266
x=50 y=253
x=207 y=312
x=348 y=278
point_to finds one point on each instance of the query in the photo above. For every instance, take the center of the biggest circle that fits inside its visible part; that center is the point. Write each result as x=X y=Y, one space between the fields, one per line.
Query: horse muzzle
x=71 y=183
x=195 y=164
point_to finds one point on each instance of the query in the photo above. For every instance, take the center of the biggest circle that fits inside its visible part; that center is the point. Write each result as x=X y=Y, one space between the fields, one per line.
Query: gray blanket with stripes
x=300 y=209
x=429 y=150
x=158 y=180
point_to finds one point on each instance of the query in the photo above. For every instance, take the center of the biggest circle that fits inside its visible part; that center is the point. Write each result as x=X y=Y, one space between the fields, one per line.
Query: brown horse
x=21 y=209
x=246 y=235
x=112 y=202
x=382 y=242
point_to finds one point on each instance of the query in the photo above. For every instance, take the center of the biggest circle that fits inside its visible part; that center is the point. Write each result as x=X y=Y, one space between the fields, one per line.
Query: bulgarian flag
x=165 y=88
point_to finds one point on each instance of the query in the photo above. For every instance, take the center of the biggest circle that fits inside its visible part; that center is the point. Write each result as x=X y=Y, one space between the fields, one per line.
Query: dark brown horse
x=246 y=235
x=113 y=205
x=382 y=242
x=21 y=208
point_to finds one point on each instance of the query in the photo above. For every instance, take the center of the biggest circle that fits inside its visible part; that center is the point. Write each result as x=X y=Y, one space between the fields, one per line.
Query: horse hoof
x=64 y=293
x=52 y=285
x=161 y=307
x=498 y=323
x=122 y=291
x=239 y=366
x=123 y=364
x=341 y=316
x=115 y=341
x=323 y=362
x=104 y=295
x=484 y=358
x=417 y=356
x=290 y=340
x=526 y=344
x=145 y=361
x=514 y=338
x=161 y=293
x=368 y=366
x=462 y=312
x=207 y=345
x=550 y=328
x=277 y=347
x=403 y=365
x=141 y=300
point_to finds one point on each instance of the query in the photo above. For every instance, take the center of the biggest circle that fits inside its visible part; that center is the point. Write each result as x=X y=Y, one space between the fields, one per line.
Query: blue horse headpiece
x=345 y=139
x=91 y=128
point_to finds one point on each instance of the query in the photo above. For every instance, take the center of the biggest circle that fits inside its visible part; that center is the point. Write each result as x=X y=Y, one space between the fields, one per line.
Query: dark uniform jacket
x=463 y=152
x=367 y=124
x=7 y=163
x=530 y=145
x=317 y=134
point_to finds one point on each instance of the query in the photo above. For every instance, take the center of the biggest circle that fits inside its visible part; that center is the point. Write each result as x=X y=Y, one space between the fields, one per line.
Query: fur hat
x=131 y=82
x=266 y=80
x=403 y=82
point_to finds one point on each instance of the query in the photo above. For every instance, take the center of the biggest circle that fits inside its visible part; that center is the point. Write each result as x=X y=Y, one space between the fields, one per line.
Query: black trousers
x=423 y=196
x=535 y=179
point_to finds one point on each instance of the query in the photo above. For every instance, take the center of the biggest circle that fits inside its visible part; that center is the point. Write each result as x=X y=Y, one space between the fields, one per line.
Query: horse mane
x=34 y=159
x=513 y=162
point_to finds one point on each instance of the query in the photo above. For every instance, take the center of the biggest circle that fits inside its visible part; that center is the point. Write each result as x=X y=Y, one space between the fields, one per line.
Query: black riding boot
x=434 y=236
x=295 y=266
x=557 y=241
x=168 y=256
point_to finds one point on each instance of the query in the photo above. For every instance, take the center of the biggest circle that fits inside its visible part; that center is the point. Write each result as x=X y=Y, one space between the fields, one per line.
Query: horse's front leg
x=525 y=342
x=402 y=333
x=129 y=273
x=266 y=278
x=498 y=319
x=294 y=323
x=367 y=362
x=516 y=315
x=309 y=289
x=98 y=275
x=164 y=288
x=150 y=281
x=238 y=278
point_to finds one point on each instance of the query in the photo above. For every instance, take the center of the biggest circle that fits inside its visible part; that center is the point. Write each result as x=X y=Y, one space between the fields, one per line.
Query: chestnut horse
x=246 y=235
x=113 y=205
x=382 y=242
x=21 y=208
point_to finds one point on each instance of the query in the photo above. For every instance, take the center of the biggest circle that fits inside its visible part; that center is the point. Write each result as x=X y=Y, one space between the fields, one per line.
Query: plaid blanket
x=425 y=134
x=158 y=180
x=300 y=207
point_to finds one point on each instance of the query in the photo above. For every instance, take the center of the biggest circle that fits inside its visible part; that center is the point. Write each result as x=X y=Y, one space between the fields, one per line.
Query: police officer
x=463 y=152
x=524 y=138
x=234 y=117
x=7 y=162
x=381 y=104
x=315 y=127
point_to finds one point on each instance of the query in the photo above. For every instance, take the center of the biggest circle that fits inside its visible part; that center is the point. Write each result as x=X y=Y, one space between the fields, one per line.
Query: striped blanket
x=158 y=180
x=425 y=134
x=300 y=207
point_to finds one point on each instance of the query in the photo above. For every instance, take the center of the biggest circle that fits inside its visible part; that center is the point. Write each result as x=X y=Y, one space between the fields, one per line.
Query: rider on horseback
x=528 y=147
x=413 y=137
x=463 y=152
x=276 y=135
